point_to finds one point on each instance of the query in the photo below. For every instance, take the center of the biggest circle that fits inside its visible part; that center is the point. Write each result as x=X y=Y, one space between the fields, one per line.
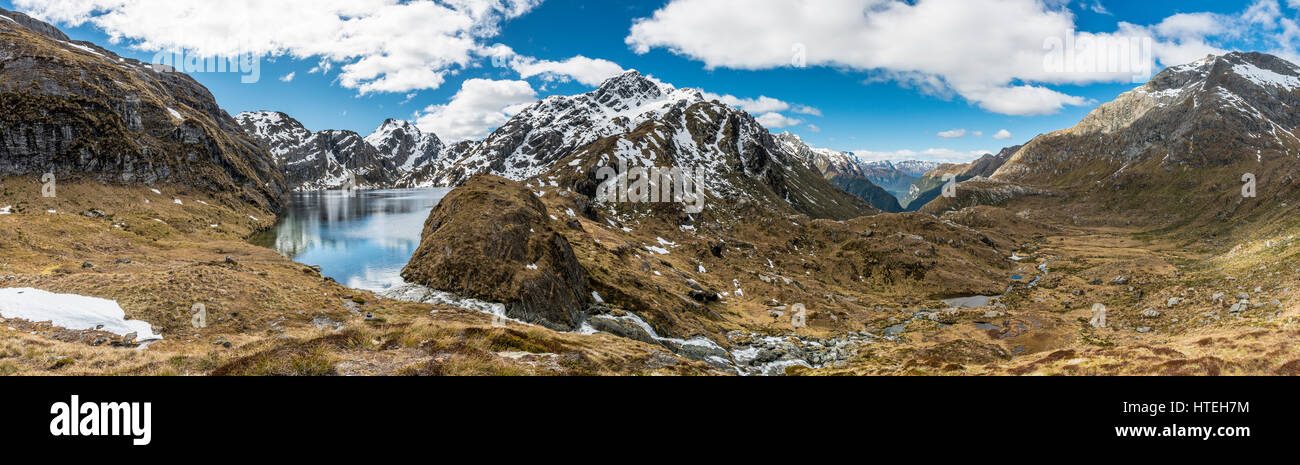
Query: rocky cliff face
x=78 y=110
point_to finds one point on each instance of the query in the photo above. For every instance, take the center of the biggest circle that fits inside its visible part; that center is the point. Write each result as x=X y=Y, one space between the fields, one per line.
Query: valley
x=254 y=246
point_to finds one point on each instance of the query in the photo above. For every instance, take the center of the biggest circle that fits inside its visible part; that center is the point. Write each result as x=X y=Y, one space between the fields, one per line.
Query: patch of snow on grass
x=72 y=311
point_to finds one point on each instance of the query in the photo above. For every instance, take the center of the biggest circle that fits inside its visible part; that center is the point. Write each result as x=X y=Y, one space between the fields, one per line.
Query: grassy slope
x=262 y=304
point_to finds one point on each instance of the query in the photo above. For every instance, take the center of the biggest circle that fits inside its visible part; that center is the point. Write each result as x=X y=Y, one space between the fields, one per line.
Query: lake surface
x=362 y=239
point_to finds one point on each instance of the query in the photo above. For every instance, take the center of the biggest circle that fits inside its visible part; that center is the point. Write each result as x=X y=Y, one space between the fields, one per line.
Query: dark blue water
x=362 y=239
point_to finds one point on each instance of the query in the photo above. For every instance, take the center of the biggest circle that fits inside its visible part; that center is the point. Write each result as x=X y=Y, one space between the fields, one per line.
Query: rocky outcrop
x=78 y=110
x=493 y=240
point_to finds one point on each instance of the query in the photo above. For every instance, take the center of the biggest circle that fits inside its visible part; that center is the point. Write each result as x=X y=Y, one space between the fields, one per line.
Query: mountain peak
x=631 y=87
x=392 y=125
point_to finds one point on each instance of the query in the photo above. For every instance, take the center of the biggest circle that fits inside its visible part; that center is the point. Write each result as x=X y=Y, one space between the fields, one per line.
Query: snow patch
x=72 y=311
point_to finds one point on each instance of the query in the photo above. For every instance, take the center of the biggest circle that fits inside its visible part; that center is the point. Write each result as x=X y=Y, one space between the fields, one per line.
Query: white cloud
x=762 y=105
x=777 y=121
x=814 y=128
x=480 y=106
x=934 y=44
x=323 y=67
x=382 y=45
x=806 y=110
x=940 y=47
x=588 y=71
x=288 y=77
x=1097 y=7
x=935 y=155
x=953 y=134
x=1002 y=135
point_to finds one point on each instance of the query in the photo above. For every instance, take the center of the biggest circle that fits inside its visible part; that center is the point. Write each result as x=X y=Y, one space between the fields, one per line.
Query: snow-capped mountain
x=830 y=162
x=1229 y=109
x=1182 y=145
x=913 y=168
x=328 y=159
x=333 y=159
x=277 y=131
x=405 y=145
x=843 y=169
x=554 y=127
x=565 y=139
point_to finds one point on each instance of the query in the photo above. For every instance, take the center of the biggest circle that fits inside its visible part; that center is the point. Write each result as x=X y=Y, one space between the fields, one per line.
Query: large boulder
x=493 y=240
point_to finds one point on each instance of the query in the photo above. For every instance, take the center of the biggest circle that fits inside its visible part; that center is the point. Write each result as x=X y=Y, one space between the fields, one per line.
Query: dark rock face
x=868 y=191
x=78 y=110
x=988 y=164
x=492 y=240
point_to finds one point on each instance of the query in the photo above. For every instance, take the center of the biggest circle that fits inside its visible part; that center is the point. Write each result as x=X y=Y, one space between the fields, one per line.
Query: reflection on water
x=361 y=239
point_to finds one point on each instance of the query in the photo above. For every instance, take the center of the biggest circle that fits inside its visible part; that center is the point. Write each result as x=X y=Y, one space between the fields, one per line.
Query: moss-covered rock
x=493 y=240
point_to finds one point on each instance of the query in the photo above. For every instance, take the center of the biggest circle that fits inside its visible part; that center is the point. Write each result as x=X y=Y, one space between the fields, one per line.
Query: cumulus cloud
x=288 y=77
x=953 y=134
x=480 y=106
x=940 y=155
x=381 y=45
x=588 y=71
x=769 y=108
x=939 y=47
x=1002 y=135
x=928 y=43
x=762 y=104
x=777 y=121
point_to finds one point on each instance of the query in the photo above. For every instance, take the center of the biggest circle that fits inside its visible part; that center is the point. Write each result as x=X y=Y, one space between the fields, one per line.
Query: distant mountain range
x=332 y=159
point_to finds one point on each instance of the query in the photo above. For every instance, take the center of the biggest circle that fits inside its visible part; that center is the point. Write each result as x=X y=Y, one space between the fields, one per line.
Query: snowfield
x=72 y=311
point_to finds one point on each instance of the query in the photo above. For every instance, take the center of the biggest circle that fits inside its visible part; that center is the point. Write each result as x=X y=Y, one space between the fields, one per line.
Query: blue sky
x=863 y=103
